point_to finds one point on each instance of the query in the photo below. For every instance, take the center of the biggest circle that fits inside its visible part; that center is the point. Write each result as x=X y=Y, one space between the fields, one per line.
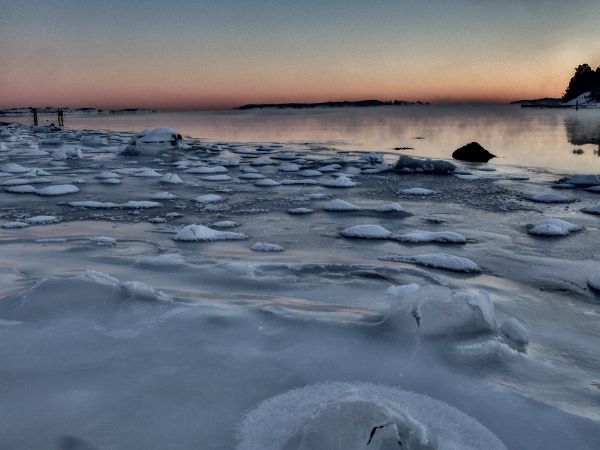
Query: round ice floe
x=205 y=170
x=389 y=208
x=515 y=331
x=106 y=175
x=195 y=233
x=260 y=162
x=171 y=178
x=93 y=204
x=59 y=189
x=17 y=224
x=251 y=176
x=594 y=282
x=353 y=416
x=217 y=178
x=14 y=168
x=225 y=224
x=309 y=173
x=248 y=170
x=583 y=180
x=594 y=189
x=338 y=205
x=163 y=196
x=330 y=168
x=300 y=211
x=42 y=220
x=551 y=197
x=266 y=247
x=552 y=227
x=167 y=259
x=267 y=182
x=111 y=181
x=146 y=172
x=366 y=232
x=417 y=191
x=140 y=204
x=209 y=198
x=438 y=261
x=340 y=182
x=467 y=177
x=590 y=210
x=563 y=186
x=290 y=167
x=140 y=290
x=22 y=189
x=420 y=236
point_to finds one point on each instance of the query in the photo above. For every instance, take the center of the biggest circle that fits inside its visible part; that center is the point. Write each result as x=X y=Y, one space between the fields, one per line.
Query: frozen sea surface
x=116 y=333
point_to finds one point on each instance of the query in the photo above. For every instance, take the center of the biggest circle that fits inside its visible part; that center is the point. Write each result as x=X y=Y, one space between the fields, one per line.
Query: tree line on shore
x=584 y=80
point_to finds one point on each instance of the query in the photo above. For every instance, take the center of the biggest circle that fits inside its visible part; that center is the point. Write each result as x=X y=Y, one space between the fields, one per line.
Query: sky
x=212 y=54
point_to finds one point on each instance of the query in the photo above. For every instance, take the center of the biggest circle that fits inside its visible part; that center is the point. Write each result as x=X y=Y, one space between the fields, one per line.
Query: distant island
x=583 y=91
x=342 y=104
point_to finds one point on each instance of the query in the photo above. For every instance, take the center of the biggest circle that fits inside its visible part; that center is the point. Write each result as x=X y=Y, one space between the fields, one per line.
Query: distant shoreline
x=340 y=104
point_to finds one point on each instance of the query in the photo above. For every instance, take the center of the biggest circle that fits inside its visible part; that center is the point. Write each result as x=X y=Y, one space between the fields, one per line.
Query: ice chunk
x=167 y=259
x=225 y=224
x=16 y=224
x=171 y=178
x=551 y=197
x=59 y=189
x=308 y=181
x=344 y=416
x=290 y=167
x=163 y=196
x=146 y=172
x=338 y=205
x=266 y=247
x=417 y=191
x=141 y=204
x=111 y=181
x=438 y=261
x=582 y=180
x=592 y=209
x=13 y=168
x=205 y=170
x=515 y=331
x=22 y=189
x=251 y=176
x=42 y=220
x=300 y=211
x=143 y=291
x=93 y=204
x=552 y=227
x=106 y=175
x=366 y=232
x=217 y=178
x=420 y=236
x=201 y=233
x=267 y=182
x=340 y=182
x=594 y=282
x=389 y=208
x=309 y=173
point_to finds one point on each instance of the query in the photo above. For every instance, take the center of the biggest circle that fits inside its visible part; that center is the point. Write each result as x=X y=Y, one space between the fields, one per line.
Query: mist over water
x=535 y=138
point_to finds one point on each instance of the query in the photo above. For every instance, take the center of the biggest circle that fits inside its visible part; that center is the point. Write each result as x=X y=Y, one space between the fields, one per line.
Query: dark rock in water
x=472 y=152
x=409 y=164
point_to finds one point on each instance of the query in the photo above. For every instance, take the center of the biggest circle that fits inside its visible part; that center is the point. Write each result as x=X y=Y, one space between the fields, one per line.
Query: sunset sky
x=218 y=54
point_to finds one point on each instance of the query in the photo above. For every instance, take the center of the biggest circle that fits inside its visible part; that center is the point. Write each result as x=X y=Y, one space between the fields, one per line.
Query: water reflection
x=541 y=138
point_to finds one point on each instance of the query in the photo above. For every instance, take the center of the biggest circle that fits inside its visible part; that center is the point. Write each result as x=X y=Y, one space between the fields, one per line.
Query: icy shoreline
x=192 y=293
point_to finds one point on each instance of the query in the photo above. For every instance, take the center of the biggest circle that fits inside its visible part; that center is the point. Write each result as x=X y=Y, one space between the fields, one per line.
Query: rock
x=409 y=164
x=473 y=152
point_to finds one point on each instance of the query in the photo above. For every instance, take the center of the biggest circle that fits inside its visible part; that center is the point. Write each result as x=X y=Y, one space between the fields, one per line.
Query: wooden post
x=35 y=118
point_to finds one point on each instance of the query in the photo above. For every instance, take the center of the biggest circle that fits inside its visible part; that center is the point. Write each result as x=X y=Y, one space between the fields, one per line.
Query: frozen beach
x=225 y=292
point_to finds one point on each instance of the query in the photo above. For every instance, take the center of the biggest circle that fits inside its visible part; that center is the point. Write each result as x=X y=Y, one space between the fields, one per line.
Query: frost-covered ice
x=420 y=236
x=203 y=233
x=266 y=247
x=209 y=198
x=137 y=330
x=338 y=205
x=439 y=261
x=418 y=191
x=339 y=182
x=341 y=416
x=552 y=227
x=366 y=232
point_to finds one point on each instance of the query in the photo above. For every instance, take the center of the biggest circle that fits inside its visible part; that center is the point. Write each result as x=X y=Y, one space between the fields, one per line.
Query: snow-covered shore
x=178 y=299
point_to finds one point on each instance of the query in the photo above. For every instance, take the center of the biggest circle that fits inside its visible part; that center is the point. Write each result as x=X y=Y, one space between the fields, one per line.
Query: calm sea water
x=536 y=138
